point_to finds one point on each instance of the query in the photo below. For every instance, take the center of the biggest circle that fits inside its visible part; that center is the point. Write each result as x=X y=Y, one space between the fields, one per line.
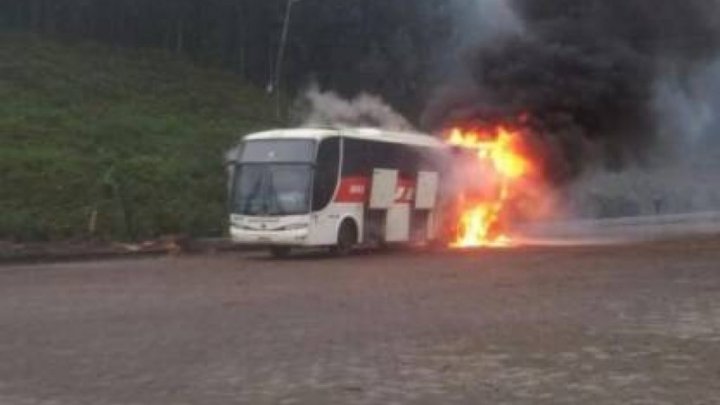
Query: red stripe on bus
x=353 y=190
x=357 y=190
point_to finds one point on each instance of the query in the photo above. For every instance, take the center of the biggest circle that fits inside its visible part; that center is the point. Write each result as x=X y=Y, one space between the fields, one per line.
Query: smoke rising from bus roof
x=600 y=80
x=327 y=109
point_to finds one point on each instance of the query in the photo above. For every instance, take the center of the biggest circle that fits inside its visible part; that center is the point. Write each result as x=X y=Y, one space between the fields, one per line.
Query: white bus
x=336 y=188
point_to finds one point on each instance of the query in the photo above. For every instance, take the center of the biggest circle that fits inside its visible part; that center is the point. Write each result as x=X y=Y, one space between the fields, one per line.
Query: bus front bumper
x=280 y=238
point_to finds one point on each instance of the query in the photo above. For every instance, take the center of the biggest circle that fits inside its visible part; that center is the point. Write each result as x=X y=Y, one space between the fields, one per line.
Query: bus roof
x=370 y=134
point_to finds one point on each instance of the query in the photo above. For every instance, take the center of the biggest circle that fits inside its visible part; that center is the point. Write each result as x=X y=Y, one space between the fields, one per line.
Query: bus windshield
x=272 y=189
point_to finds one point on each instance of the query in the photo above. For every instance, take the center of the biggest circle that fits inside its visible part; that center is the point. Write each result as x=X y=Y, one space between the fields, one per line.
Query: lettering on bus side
x=405 y=193
x=353 y=189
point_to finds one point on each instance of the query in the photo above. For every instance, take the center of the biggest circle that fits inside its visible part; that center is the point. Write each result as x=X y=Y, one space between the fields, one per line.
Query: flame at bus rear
x=482 y=216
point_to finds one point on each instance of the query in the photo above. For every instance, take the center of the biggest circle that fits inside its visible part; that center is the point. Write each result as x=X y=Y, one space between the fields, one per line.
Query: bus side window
x=375 y=156
x=410 y=162
x=354 y=157
x=384 y=155
x=326 y=173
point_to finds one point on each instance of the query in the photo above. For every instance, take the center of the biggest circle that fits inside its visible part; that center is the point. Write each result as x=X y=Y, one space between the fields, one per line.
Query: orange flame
x=480 y=219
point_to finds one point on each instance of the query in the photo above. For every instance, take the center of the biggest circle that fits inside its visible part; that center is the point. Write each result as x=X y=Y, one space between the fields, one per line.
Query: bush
x=115 y=144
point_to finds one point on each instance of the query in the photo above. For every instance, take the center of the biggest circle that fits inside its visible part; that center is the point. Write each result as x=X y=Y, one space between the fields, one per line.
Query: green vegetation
x=122 y=144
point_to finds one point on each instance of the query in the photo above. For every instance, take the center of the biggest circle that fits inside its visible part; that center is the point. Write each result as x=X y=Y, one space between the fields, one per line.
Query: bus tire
x=347 y=238
x=280 y=252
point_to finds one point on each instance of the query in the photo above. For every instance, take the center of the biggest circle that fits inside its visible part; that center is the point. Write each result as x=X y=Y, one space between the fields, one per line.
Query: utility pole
x=280 y=59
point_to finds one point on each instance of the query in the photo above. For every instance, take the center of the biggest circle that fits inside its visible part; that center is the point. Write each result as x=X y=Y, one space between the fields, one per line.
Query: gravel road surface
x=634 y=324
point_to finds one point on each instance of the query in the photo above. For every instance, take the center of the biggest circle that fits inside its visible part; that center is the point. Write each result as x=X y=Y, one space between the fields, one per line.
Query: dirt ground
x=634 y=324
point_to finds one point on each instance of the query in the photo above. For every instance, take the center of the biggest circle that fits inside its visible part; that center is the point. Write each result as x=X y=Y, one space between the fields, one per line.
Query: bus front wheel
x=347 y=238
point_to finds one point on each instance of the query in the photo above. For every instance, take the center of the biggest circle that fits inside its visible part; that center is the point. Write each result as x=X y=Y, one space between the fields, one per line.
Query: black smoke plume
x=585 y=73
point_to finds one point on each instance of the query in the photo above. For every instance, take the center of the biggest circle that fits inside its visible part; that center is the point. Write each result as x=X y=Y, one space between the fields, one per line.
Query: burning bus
x=341 y=188
x=337 y=188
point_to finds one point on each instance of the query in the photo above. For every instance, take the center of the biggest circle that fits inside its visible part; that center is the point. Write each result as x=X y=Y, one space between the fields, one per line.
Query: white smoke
x=327 y=109
x=689 y=113
x=642 y=191
x=683 y=175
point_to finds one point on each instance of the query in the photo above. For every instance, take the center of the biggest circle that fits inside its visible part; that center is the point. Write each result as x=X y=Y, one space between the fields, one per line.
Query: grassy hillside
x=110 y=143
